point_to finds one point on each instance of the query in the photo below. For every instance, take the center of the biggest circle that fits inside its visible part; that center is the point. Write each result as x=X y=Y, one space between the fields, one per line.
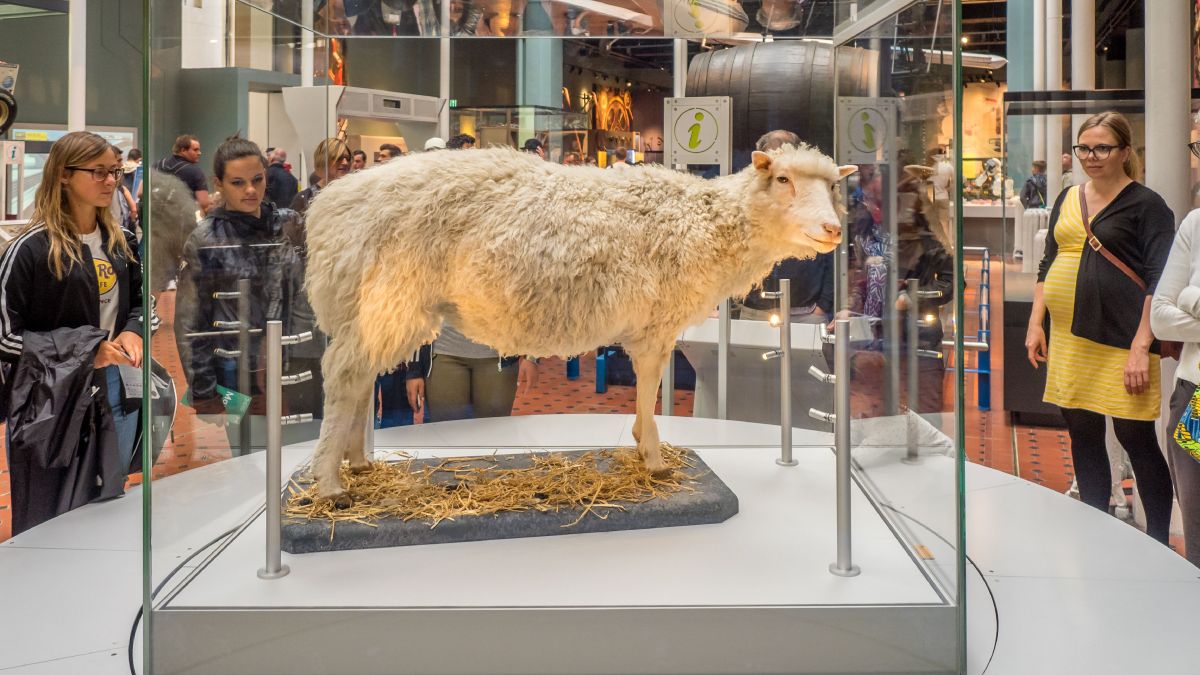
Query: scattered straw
x=597 y=481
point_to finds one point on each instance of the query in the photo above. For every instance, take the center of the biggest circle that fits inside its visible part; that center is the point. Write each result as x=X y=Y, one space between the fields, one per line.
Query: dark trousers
x=1090 y=455
x=1185 y=469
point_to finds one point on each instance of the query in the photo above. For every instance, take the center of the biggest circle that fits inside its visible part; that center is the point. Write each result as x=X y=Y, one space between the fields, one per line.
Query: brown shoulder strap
x=1099 y=248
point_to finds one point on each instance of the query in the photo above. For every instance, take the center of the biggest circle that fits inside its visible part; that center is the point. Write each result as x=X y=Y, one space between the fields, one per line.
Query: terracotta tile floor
x=1040 y=455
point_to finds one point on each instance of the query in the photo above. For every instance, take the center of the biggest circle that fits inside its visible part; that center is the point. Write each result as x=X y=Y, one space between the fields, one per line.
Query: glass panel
x=904 y=256
x=291 y=76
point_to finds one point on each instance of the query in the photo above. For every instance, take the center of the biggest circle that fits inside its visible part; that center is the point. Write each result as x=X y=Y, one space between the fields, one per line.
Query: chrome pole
x=785 y=374
x=274 y=568
x=844 y=566
x=723 y=360
x=243 y=369
x=784 y=353
x=913 y=330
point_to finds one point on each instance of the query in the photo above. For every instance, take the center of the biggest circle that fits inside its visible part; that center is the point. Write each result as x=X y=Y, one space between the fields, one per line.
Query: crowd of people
x=1116 y=281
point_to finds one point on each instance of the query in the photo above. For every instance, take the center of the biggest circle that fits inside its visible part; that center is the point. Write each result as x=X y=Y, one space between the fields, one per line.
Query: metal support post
x=983 y=360
x=891 y=317
x=784 y=354
x=914 y=385
x=723 y=360
x=243 y=368
x=844 y=566
x=274 y=568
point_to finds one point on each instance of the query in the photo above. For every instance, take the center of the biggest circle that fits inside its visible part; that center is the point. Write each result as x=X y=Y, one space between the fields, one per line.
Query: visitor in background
x=71 y=267
x=358 y=161
x=1033 y=195
x=282 y=186
x=461 y=142
x=184 y=164
x=1100 y=317
x=389 y=151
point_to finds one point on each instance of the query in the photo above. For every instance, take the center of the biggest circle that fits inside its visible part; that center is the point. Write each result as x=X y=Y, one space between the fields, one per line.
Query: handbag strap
x=1099 y=247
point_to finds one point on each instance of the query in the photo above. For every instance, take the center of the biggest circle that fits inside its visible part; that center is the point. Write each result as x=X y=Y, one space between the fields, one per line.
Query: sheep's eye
x=782 y=179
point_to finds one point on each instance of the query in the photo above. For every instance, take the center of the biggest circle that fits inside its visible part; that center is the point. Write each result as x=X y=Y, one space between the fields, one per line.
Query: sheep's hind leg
x=346 y=396
x=648 y=366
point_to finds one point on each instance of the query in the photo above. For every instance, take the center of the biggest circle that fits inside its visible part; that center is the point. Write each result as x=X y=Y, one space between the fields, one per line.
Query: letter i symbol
x=694 y=132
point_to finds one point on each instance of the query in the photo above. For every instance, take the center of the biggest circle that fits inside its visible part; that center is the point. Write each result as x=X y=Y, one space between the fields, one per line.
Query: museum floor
x=1040 y=455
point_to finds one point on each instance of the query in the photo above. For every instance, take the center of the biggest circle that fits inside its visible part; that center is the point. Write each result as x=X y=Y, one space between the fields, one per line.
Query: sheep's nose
x=834 y=230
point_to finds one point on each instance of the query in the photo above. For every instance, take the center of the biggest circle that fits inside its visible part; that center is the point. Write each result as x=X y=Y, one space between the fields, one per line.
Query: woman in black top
x=74 y=266
x=1102 y=358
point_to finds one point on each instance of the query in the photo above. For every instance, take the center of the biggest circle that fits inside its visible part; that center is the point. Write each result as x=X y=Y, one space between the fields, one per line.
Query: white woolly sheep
x=538 y=259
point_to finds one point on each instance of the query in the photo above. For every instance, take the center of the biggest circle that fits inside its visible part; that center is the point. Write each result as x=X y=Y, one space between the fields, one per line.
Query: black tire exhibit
x=8 y=110
x=787 y=84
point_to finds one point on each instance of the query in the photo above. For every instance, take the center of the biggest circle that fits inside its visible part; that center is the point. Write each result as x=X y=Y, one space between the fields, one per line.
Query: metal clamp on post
x=227 y=353
x=226 y=295
x=231 y=325
x=297 y=339
x=822 y=376
x=296 y=419
x=297 y=378
x=274 y=567
x=844 y=565
x=822 y=416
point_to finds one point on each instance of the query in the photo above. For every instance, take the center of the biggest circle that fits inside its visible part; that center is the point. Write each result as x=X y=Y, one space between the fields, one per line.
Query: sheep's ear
x=762 y=161
x=846 y=170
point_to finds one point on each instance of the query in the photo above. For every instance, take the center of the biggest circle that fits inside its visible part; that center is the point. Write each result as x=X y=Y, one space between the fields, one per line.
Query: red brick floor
x=1040 y=455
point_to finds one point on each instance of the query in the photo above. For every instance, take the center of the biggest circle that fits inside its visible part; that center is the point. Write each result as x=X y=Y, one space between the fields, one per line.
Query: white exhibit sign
x=697 y=19
x=13 y=152
x=698 y=131
x=866 y=130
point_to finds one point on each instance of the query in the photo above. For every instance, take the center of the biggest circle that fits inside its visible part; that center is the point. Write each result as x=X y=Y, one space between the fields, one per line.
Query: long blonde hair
x=1120 y=127
x=328 y=153
x=51 y=209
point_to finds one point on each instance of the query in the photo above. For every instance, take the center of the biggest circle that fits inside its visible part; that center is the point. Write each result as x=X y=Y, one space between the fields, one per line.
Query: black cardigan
x=1138 y=227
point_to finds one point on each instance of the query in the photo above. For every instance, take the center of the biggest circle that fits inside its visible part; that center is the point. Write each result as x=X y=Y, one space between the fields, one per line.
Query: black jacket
x=62 y=444
x=225 y=247
x=282 y=186
x=31 y=298
x=1138 y=227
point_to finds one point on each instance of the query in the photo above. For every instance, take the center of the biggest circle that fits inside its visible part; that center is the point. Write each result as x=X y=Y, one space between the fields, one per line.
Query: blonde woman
x=74 y=266
x=1108 y=242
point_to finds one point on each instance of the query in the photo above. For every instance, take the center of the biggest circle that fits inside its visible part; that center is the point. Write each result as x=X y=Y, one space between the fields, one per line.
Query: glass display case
x=810 y=516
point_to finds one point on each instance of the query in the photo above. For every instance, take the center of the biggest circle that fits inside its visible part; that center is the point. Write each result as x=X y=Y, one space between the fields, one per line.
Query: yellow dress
x=1081 y=373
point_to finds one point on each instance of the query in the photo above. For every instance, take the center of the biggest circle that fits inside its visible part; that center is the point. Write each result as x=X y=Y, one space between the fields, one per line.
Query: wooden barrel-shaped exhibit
x=786 y=84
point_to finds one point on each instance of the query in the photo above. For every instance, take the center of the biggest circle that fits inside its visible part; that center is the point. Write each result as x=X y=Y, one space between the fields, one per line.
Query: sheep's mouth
x=823 y=245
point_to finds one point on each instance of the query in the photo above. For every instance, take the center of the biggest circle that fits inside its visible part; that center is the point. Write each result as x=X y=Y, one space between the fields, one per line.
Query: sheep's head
x=794 y=198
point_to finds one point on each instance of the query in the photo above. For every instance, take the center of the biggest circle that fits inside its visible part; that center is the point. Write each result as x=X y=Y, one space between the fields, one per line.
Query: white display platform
x=1074 y=590
x=766 y=565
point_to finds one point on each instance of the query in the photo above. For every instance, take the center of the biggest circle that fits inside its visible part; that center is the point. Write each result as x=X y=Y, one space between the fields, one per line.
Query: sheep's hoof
x=662 y=473
x=362 y=468
x=307 y=501
x=342 y=502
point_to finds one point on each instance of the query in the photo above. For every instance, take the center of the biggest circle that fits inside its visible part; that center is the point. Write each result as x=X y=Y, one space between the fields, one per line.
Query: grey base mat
x=709 y=501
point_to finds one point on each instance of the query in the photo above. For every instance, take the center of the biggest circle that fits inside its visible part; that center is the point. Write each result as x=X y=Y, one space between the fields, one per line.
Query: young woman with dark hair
x=244 y=238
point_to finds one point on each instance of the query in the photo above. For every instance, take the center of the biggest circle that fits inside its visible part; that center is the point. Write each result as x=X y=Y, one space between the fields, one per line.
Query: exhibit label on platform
x=698 y=130
x=866 y=129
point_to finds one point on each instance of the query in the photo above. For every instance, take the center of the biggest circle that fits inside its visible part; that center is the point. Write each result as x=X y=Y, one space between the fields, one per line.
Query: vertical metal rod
x=723 y=324
x=890 y=315
x=913 y=340
x=983 y=360
x=844 y=566
x=243 y=364
x=785 y=374
x=274 y=568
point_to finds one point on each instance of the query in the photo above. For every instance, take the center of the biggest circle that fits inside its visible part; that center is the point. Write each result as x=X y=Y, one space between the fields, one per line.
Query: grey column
x=1053 y=83
x=1168 y=102
x=1039 y=74
x=1083 y=61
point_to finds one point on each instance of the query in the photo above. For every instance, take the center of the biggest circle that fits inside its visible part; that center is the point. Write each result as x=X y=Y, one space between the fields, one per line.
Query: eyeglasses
x=99 y=175
x=1194 y=146
x=1100 y=152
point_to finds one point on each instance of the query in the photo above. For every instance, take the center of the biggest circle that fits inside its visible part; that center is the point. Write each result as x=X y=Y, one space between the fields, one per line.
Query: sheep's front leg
x=648 y=366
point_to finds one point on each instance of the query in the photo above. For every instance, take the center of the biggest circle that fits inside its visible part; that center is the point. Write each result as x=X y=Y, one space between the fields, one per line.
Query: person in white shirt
x=1175 y=315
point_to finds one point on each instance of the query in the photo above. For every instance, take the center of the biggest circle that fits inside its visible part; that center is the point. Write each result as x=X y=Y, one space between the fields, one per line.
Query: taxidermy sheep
x=539 y=259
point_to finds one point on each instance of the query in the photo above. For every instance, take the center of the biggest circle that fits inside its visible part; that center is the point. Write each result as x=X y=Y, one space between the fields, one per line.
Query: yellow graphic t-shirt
x=106 y=279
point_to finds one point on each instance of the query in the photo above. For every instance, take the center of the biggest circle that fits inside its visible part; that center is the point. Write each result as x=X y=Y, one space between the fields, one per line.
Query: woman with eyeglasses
x=1175 y=315
x=73 y=266
x=1108 y=242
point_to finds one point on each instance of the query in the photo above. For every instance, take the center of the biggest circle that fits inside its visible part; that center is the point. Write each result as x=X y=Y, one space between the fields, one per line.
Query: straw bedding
x=594 y=482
